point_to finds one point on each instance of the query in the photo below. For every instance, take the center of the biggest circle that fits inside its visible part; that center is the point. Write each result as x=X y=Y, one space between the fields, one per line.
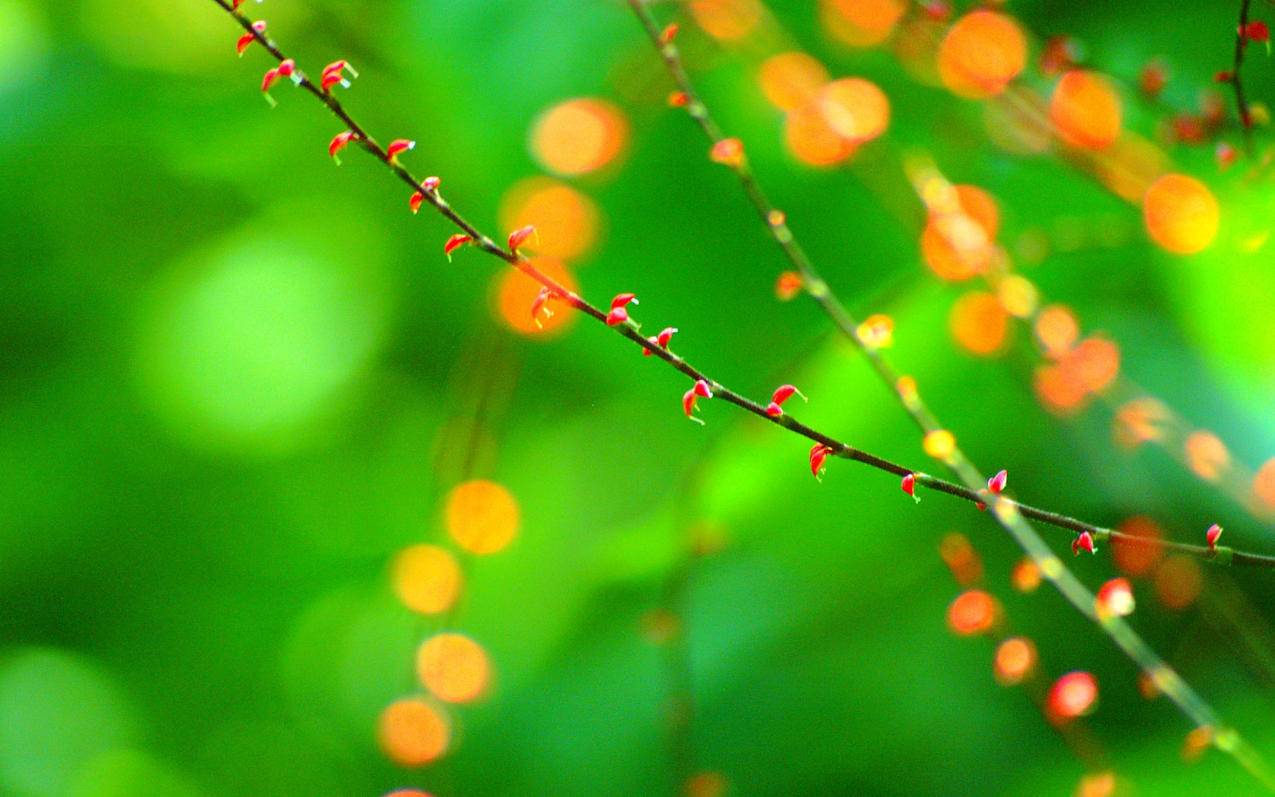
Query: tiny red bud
x=339 y=142
x=538 y=306
x=818 y=453
x=340 y=67
x=242 y=43
x=997 y=483
x=1226 y=154
x=329 y=80
x=728 y=152
x=1211 y=536
x=269 y=79
x=287 y=67
x=774 y=410
x=455 y=242
x=785 y=392
x=669 y=33
x=431 y=183
x=519 y=236
x=617 y=316
x=1083 y=542
x=937 y=10
x=1152 y=79
x=397 y=147
x=1222 y=77
x=698 y=391
x=621 y=299
x=415 y=202
x=908 y=485
x=1257 y=31
x=678 y=99
x=661 y=340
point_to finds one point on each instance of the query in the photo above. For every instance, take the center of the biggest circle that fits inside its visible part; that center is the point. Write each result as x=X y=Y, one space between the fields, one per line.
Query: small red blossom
x=415 y=200
x=661 y=340
x=397 y=147
x=539 y=306
x=908 y=485
x=267 y=81
x=248 y=38
x=728 y=152
x=618 y=314
x=339 y=142
x=1256 y=31
x=1223 y=77
x=818 y=453
x=678 y=99
x=1211 y=536
x=788 y=285
x=1083 y=542
x=1152 y=79
x=997 y=483
x=334 y=74
x=431 y=183
x=782 y=394
x=700 y=390
x=519 y=236
x=669 y=33
x=455 y=242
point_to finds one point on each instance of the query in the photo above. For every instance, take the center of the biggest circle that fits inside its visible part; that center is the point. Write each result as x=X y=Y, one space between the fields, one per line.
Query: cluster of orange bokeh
x=482 y=518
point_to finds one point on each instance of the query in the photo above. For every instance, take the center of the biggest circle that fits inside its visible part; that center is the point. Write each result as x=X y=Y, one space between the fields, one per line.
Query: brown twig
x=1237 y=82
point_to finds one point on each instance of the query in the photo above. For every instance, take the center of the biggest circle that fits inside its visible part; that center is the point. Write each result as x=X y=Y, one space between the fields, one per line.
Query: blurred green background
x=236 y=381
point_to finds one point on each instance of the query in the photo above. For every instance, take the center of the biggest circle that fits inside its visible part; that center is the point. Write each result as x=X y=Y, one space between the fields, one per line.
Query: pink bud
x=397 y=147
x=538 y=306
x=908 y=485
x=431 y=183
x=661 y=340
x=414 y=202
x=728 y=151
x=242 y=43
x=785 y=392
x=1225 y=153
x=519 y=236
x=334 y=73
x=702 y=389
x=455 y=242
x=1211 y=536
x=1257 y=31
x=1083 y=542
x=818 y=453
x=997 y=483
x=287 y=67
x=774 y=410
x=339 y=142
x=668 y=34
x=328 y=81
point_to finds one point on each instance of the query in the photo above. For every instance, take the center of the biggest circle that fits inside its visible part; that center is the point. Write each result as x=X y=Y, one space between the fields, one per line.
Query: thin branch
x=1237 y=82
x=1008 y=514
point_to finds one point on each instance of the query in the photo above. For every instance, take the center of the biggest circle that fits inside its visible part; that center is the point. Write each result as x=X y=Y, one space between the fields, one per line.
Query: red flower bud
x=668 y=34
x=539 y=306
x=728 y=152
x=1256 y=31
x=1211 y=536
x=661 y=340
x=818 y=453
x=1226 y=154
x=908 y=485
x=248 y=38
x=1222 y=77
x=1083 y=542
x=431 y=183
x=414 y=202
x=678 y=99
x=334 y=74
x=782 y=394
x=618 y=314
x=698 y=391
x=455 y=242
x=397 y=147
x=518 y=237
x=287 y=67
x=339 y=142
x=267 y=81
x=997 y=483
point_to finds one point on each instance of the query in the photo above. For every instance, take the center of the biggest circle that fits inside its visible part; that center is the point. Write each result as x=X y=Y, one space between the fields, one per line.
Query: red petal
x=617 y=316
x=702 y=389
x=519 y=236
x=774 y=410
x=455 y=242
x=415 y=202
x=997 y=482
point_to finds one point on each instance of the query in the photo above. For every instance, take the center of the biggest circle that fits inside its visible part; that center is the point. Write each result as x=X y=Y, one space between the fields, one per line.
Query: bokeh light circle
x=981 y=54
x=426 y=578
x=413 y=733
x=579 y=136
x=482 y=516
x=453 y=667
